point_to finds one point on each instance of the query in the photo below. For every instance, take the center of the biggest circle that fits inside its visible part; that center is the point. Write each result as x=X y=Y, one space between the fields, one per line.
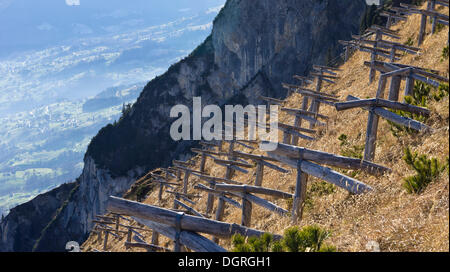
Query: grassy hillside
x=396 y=219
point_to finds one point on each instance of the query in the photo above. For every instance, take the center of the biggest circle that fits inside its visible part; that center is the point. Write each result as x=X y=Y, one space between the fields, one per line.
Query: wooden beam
x=272 y=100
x=400 y=120
x=295 y=87
x=216 y=179
x=300 y=195
x=378 y=102
x=253 y=189
x=323 y=76
x=296 y=133
x=315 y=66
x=264 y=159
x=246 y=217
x=218 y=194
x=189 y=208
x=329 y=159
x=327 y=174
x=299 y=129
x=190 y=239
x=188 y=222
x=236 y=163
x=263 y=203
x=183 y=194
x=147 y=246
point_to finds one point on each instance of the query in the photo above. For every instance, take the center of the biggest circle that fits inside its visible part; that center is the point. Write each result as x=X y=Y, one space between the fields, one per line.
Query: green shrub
x=444 y=53
x=321 y=188
x=421 y=94
x=347 y=150
x=441 y=92
x=254 y=244
x=439 y=27
x=410 y=41
x=426 y=171
x=309 y=238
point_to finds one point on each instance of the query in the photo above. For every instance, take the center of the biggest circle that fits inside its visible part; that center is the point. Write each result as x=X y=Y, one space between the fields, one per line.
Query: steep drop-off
x=253 y=47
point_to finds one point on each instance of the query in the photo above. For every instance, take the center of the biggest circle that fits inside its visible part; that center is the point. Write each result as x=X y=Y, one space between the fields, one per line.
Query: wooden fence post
x=409 y=89
x=246 y=211
x=186 y=180
x=105 y=242
x=259 y=173
x=300 y=193
x=298 y=120
x=210 y=200
x=394 y=88
x=155 y=238
x=219 y=214
x=423 y=25
x=430 y=6
x=117 y=223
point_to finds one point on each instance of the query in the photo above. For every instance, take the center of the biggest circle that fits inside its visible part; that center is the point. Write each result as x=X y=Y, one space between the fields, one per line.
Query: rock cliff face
x=254 y=46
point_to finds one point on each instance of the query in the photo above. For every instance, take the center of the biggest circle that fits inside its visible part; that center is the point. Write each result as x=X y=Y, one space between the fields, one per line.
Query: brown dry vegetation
x=398 y=221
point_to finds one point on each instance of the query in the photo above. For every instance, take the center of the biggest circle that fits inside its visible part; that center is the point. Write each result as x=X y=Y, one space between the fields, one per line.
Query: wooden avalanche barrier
x=178 y=226
x=305 y=161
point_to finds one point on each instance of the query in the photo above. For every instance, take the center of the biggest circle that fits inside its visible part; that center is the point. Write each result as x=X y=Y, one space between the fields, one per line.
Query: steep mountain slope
x=254 y=46
x=397 y=220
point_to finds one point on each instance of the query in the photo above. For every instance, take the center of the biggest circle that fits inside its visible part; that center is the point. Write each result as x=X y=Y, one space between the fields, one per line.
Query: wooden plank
x=263 y=203
x=328 y=159
x=253 y=189
x=218 y=194
x=433 y=75
x=315 y=94
x=216 y=179
x=147 y=246
x=186 y=181
x=423 y=25
x=246 y=217
x=189 y=239
x=327 y=174
x=183 y=163
x=299 y=196
x=299 y=129
x=252 y=156
x=259 y=173
x=294 y=88
x=323 y=67
x=188 y=222
x=400 y=120
x=274 y=167
x=303 y=79
x=183 y=194
x=299 y=117
x=234 y=167
x=305 y=112
x=272 y=100
x=297 y=134
x=409 y=87
x=236 y=163
x=188 y=169
x=189 y=208
x=323 y=76
x=105 y=241
x=371 y=135
x=378 y=102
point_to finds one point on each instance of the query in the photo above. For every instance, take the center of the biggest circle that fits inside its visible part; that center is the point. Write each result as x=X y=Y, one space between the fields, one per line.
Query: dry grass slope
x=398 y=221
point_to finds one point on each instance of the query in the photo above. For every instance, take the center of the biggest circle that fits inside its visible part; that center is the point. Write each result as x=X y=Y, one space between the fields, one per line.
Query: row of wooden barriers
x=184 y=225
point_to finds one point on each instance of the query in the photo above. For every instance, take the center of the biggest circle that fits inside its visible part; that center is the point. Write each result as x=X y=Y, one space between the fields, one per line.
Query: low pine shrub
x=309 y=238
x=426 y=171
